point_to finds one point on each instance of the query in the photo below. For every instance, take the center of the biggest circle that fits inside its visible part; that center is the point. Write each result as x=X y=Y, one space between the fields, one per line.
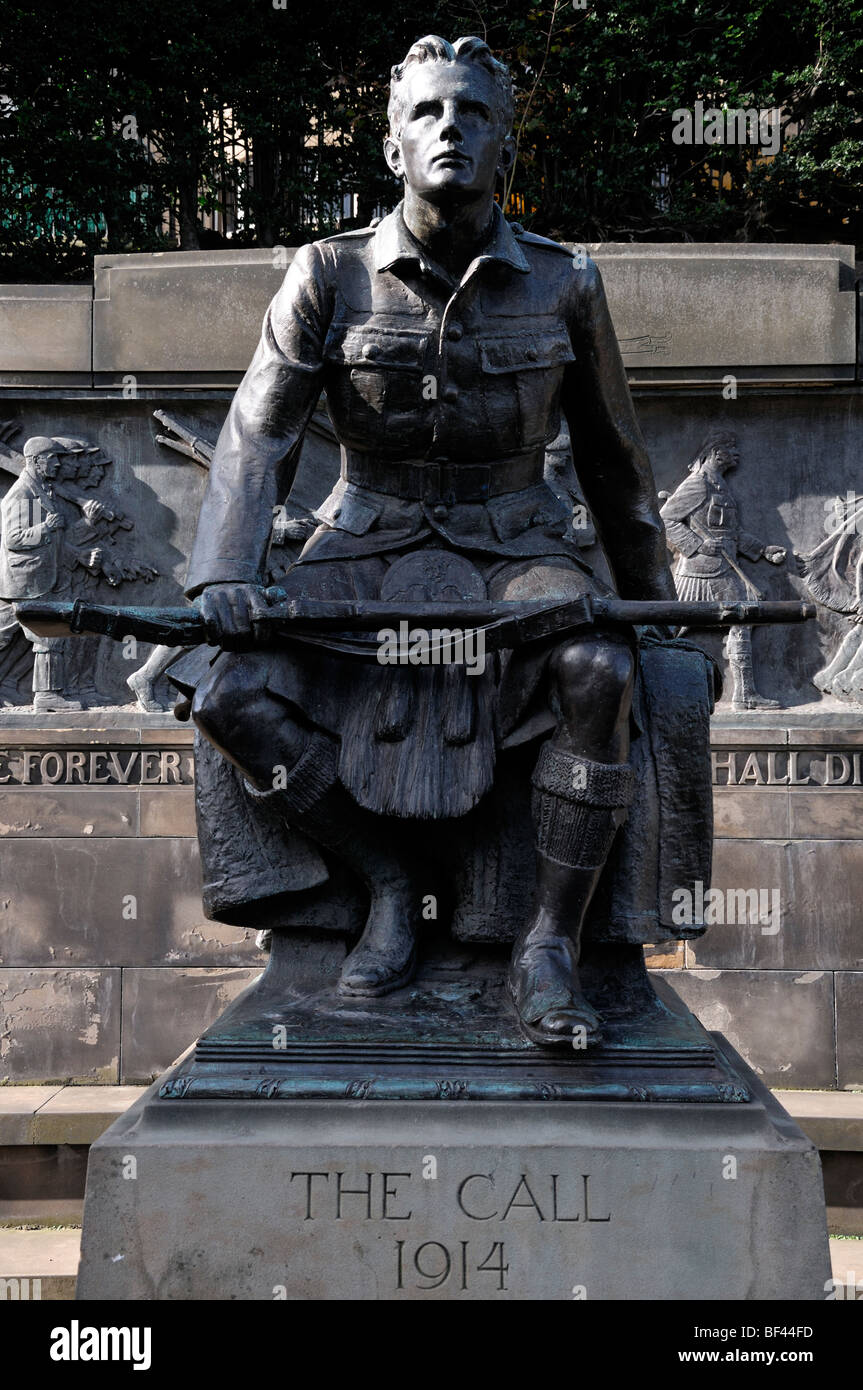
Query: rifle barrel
x=508 y=624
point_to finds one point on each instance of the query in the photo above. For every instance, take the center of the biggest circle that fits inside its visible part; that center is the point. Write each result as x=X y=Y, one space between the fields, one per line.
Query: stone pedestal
x=447 y=1169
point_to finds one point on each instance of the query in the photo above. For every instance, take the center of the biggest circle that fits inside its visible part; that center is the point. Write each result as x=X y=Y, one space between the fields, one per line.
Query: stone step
x=45 y=1134
x=833 y=1120
x=61 y=1114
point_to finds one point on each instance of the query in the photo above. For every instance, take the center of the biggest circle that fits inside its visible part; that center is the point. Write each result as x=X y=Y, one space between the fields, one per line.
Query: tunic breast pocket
x=721 y=514
x=521 y=380
x=375 y=383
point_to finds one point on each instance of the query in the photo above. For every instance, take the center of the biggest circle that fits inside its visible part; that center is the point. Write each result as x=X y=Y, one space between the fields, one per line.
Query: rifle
x=311 y=620
x=188 y=443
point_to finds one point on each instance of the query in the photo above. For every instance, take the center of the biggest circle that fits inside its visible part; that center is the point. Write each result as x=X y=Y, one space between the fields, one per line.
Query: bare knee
x=592 y=674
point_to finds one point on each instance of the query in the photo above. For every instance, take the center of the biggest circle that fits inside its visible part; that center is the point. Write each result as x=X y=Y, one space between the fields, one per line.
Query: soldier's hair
x=433 y=49
x=720 y=439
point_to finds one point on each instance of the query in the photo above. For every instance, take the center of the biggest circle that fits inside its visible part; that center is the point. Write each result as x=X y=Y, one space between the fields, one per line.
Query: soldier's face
x=725 y=459
x=451 y=145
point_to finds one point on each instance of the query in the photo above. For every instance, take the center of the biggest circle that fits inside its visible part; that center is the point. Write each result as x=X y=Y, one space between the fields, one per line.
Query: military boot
x=577 y=806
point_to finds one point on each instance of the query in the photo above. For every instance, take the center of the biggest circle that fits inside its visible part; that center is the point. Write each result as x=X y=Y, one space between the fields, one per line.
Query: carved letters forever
x=96 y=767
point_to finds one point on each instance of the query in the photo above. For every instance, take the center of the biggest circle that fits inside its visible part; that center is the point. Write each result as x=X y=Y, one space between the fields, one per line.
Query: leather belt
x=443 y=480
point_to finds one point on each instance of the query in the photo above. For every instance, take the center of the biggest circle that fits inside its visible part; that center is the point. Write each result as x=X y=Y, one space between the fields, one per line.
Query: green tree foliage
x=121 y=125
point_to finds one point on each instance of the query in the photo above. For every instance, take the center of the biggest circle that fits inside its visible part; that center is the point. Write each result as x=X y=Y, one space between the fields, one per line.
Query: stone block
x=781 y=1021
x=168 y=811
x=775 y=311
x=165 y=1010
x=59 y=1025
x=111 y=902
x=743 y=813
x=43 y=1174
x=826 y=815
x=819 y=926
x=741 y=866
x=43 y=1262
x=727 y=731
x=68 y=812
x=825 y=735
x=849 y=1035
x=153 y=314
x=45 y=333
x=826 y=878
x=669 y=955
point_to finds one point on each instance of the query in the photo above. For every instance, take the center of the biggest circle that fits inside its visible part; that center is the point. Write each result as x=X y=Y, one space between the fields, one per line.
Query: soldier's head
x=94 y=468
x=43 y=455
x=450 y=113
x=74 y=453
x=719 y=451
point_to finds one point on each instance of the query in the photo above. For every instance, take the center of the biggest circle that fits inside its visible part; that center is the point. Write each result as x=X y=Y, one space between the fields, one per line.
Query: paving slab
x=43 y=1264
x=846 y=1259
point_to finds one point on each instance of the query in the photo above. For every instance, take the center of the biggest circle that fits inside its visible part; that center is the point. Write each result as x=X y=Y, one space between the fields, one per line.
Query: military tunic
x=704 y=509
x=443 y=396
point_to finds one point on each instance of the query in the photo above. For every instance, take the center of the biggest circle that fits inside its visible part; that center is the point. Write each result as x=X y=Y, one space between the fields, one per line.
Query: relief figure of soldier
x=702 y=520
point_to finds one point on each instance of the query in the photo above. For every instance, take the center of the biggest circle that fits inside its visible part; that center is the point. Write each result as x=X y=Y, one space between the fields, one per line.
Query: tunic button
x=450 y=394
x=530 y=354
x=370 y=351
x=440 y=512
x=455 y=332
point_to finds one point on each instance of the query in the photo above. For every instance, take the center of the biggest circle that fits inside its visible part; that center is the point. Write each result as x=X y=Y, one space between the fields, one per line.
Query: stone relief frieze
x=61 y=533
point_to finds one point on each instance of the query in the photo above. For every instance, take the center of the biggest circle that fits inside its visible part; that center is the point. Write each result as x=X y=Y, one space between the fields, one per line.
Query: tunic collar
x=394 y=243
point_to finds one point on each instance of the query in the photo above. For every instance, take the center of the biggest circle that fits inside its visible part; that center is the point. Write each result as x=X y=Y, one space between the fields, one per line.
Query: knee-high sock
x=578 y=805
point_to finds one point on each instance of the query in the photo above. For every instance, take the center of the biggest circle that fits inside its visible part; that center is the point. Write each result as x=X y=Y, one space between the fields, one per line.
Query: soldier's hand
x=92 y=510
x=711 y=547
x=94 y=560
x=229 y=611
x=775 y=554
x=54 y=521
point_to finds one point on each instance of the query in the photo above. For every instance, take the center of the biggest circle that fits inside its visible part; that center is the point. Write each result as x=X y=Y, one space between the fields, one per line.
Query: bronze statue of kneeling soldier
x=511 y=330
x=449 y=344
